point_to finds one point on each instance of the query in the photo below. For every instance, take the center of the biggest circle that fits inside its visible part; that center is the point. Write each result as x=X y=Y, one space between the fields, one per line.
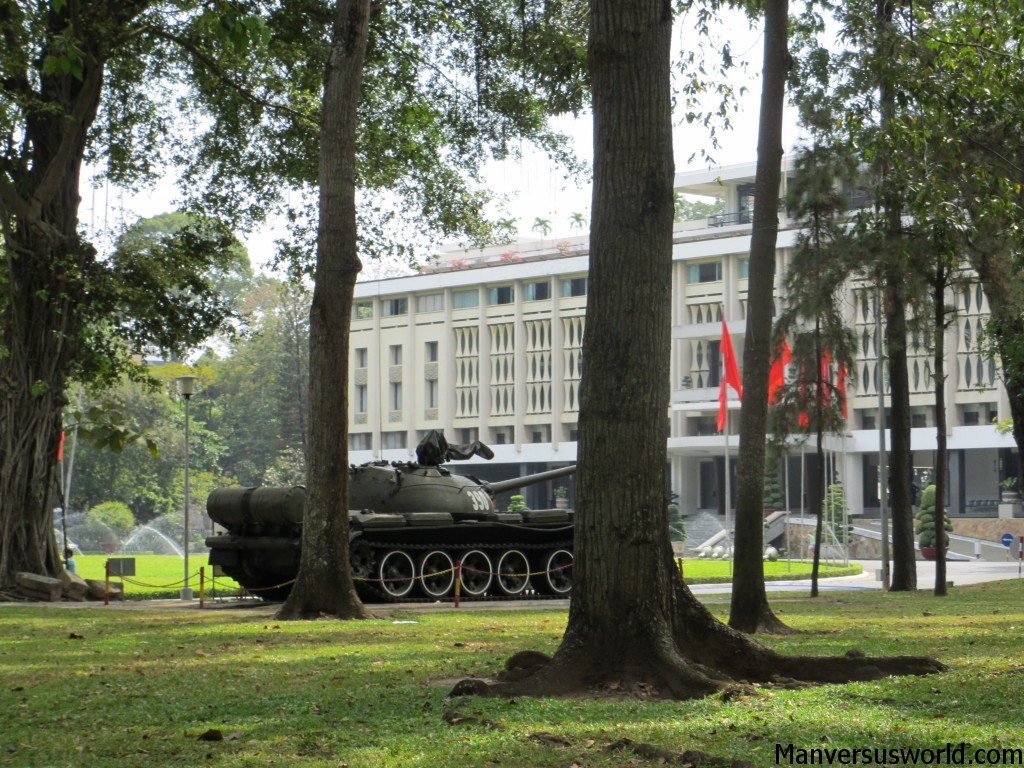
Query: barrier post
x=458 y=580
x=202 y=586
x=1020 y=555
x=106 y=587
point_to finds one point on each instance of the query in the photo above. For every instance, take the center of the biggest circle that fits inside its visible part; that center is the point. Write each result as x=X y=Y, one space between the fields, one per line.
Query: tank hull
x=399 y=552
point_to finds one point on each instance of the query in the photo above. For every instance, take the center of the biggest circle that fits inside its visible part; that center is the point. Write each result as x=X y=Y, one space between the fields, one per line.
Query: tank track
x=371 y=591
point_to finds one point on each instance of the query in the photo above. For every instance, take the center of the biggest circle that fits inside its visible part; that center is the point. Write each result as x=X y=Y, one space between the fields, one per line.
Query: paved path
x=959 y=572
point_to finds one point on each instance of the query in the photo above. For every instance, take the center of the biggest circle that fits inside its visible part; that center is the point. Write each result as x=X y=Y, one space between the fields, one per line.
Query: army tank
x=412 y=526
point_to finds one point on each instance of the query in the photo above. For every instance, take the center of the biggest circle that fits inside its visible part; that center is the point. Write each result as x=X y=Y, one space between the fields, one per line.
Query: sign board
x=121 y=566
x=1007 y=539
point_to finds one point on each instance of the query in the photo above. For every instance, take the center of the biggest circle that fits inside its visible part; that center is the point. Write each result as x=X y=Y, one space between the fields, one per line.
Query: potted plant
x=561 y=497
x=1008 y=489
x=926 y=528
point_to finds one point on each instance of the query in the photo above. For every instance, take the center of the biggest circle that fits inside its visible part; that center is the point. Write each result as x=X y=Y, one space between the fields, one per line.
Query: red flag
x=841 y=389
x=777 y=374
x=60 y=448
x=732 y=371
x=730 y=378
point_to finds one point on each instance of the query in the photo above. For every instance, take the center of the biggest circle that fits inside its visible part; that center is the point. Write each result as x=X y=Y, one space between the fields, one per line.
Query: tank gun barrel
x=500 y=486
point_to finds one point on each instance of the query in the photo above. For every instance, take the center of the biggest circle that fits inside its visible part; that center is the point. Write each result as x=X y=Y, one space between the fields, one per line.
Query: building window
x=393 y=439
x=705 y=272
x=574 y=286
x=359 y=441
x=396 y=396
x=537 y=291
x=502 y=294
x=362 y=310
x=361 y=357
x=362 y=399
x=395 y=354
x=468 y=435
x=431 y=302
x=394 y=307
x=744 y=269
x=430 y=351
x=431 y=393
x=465 y=299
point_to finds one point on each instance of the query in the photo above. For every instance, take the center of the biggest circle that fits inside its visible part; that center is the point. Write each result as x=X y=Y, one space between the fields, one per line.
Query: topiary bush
x=925 y=528
x=517 y=503
x=115 y=515
x=772 y=497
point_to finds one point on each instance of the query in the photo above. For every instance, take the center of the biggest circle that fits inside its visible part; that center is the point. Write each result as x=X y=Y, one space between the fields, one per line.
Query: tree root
x=669 y=675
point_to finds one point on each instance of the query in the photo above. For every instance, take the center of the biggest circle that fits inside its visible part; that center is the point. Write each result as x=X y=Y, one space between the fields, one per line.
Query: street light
x=186 y=386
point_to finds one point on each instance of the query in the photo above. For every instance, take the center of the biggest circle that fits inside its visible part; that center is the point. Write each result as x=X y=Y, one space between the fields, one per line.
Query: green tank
x=412 y=526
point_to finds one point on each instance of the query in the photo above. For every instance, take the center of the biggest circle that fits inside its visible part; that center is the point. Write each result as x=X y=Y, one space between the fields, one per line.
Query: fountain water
x=146 y=538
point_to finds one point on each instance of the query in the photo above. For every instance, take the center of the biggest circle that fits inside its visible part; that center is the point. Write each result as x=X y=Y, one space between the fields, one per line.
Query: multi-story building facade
x=487 y=345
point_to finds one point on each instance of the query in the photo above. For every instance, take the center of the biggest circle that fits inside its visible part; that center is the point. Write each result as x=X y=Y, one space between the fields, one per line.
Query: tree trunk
x=45 y=267
x=992 y=259
x=904 y=566
x=941 y=457
x=633 y=624
x=901 y=465
x=750 y=611
x=324 y=584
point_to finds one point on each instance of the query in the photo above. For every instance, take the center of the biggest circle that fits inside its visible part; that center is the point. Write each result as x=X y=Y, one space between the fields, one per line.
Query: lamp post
x=186 y=386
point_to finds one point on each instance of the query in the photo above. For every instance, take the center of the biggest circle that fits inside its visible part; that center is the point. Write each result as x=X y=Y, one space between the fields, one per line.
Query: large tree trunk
x=324 y=584
x=45 y=267
x=992 y=258
x=750 y=611
x=904 y=566
x=941 y=455
x=633 y=624
x=901 y=466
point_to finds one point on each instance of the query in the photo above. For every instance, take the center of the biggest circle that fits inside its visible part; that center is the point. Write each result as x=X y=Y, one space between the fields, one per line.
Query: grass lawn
x=134 y=686
x=161 y=576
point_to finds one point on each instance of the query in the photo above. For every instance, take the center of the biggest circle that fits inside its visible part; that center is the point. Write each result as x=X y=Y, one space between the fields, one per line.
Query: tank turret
x=411 y=525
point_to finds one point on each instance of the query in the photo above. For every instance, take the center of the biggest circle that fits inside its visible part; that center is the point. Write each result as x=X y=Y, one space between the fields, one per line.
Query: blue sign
x=1007 y=540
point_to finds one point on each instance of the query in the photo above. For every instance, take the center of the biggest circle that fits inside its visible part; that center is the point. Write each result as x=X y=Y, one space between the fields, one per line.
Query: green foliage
x=773 y=498
x=689 y=210
x=114 y=514
x=561 y=492
x=926 y=527
x=517 y=503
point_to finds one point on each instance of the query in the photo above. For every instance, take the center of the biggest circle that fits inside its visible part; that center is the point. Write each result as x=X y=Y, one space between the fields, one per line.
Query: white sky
x=535 y=187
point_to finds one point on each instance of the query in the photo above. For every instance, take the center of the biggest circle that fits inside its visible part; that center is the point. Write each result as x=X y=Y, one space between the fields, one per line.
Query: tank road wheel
x=360 y=558
x=437 y=573
x=557 y=573
x=476 y=573
x=397 y=573
x=513 y=572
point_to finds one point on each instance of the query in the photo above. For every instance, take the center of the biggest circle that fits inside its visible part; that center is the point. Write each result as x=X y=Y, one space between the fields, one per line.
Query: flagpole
x=728 y=502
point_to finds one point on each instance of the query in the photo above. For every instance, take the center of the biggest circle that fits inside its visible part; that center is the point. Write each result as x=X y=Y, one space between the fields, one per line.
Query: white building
x=487 y=346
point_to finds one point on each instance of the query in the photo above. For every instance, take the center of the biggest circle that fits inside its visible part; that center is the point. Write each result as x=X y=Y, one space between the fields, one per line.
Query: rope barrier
x=458 y=569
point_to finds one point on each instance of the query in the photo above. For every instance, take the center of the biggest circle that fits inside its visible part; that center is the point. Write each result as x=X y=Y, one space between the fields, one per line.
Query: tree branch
x=210 y=63
x=86 y=100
